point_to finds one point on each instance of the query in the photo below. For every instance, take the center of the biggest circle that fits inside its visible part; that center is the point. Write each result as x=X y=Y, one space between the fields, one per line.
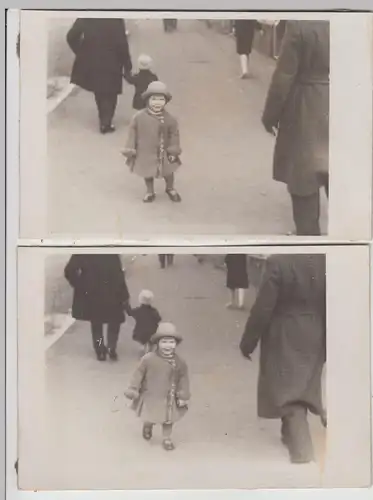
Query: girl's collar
x=163 y=356
x=154 y=113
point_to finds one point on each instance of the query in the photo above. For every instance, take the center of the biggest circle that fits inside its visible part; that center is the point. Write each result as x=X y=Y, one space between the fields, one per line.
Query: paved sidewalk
x=95 y=442
x=226 y=177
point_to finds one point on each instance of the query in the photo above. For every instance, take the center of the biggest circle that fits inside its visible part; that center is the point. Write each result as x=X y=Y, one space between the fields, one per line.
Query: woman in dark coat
x=297 y=111
x=244 y=30
x=102 y=59
x=237 y=279
x=289 y=320
x=100 y=296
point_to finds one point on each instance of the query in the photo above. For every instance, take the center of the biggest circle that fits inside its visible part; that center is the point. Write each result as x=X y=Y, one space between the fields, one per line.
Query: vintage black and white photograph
x=191 y=126
x=135 y=125
x=188 y=126
x=179 y=371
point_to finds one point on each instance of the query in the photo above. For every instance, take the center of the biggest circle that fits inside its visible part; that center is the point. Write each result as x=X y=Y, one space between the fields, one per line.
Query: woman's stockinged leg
x=241 y=297
x=232 y=299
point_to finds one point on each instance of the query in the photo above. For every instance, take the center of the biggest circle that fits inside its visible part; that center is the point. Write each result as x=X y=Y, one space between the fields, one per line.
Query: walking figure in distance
x=237 y=279
x=169 y=25
x=166 y=260
x=100 y=297
x=159 y=388
x=102 y=55
x=244 y=31
x=153 y=144
x=141 y=80
x=147 y=319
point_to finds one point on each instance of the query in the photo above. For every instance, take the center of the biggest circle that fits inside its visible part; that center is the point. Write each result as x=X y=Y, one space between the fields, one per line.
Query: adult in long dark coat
x=244 y=30
x=237 y=278
x=297 y=111
x=100 y=297
x=289 y=320
x=102 y=59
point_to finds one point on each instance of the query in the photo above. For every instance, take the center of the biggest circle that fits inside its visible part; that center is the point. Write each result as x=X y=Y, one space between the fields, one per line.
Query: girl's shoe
x=173 y=195
x=168 y=445
x=149 y=198
x=230 y=306
x=147 y=432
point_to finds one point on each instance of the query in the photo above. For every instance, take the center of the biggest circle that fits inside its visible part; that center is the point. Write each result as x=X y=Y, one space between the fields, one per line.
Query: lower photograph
x=163 y=369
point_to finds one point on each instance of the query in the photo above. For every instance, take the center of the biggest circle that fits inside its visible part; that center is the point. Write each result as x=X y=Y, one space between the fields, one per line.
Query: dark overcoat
x=289 y=320
x=236 y=271
x=102 y=54
x=141 y=81
x=100 y=290
x=298 y=104
x=244 y=30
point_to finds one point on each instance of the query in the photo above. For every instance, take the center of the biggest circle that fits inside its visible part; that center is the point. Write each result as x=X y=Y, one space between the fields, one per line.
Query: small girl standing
x=153 y=144
x=147 y=319
x=159 y=388
x=141 y=80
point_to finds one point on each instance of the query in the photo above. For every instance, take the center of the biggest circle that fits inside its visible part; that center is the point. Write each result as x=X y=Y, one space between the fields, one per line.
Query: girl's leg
x=147 y=431
x=170 y=188
x=150 y=195
x=166 y=433
x=241 y=298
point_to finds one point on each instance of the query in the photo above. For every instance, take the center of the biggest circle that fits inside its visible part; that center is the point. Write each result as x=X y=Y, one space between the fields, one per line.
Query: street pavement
x=94 y=440
x=226 y=178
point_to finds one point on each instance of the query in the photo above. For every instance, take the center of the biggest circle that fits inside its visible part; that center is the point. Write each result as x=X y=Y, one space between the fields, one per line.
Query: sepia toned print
x=178 y=371
x=238 y=122
x=161 y=336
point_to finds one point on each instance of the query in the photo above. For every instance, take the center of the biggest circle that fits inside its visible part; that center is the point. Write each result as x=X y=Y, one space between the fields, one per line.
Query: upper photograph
x=188 y=127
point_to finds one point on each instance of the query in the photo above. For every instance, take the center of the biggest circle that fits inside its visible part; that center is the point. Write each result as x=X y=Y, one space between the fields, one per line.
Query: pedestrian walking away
x=159 y=388
x=141 y=80
x=297 y=112
x=100 y=297
x=147 y=319
x=102 y=56
x=166 y=260
x=237 y=279
x=153 y=144
x=289 y=320
x=244 y=31
x=169 y=25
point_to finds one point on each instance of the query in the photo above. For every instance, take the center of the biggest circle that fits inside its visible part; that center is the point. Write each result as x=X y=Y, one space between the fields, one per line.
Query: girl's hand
x=171 y=158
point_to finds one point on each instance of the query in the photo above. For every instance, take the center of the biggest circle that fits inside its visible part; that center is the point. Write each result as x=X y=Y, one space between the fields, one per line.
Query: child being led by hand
x=159 y=388
x=141 y=80
x=153 y=144
x=147 y=319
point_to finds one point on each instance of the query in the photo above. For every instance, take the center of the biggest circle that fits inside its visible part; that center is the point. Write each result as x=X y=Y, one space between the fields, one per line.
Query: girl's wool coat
x=144 y=145
x=151 y=389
